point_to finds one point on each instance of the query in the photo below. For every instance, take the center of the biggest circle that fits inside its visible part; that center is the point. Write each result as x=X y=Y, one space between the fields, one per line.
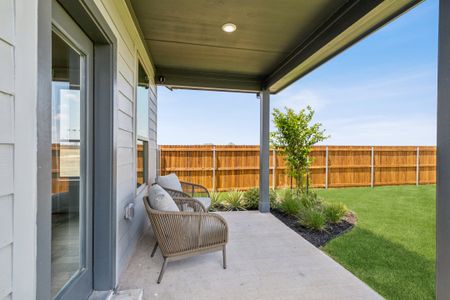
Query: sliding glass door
x=71 y=248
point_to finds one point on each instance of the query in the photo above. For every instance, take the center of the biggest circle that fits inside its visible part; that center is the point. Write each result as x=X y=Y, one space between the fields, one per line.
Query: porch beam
x=185 y=79
x=264 y=153
x=443 y=156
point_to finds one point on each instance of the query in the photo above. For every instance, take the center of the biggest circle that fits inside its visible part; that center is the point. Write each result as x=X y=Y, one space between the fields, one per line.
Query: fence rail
x=223 y=168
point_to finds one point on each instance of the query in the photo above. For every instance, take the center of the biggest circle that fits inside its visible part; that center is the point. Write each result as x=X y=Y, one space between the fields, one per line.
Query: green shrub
x=216 y=201
x=334 y=212
x=234 y=200
x=310 y=199
x=273 y=198
x=286 y=193
x=290 y=203
x=251 y=198
x=311 y=211
x=313 y=218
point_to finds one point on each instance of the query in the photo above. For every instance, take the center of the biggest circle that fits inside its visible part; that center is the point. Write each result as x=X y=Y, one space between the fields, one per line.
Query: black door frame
x=91 y=21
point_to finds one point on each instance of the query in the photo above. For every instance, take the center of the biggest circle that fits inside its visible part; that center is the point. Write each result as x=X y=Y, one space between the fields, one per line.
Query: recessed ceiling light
x=229 y=27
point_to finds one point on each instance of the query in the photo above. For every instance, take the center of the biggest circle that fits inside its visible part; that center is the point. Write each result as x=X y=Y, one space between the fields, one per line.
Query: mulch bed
x=316 y=237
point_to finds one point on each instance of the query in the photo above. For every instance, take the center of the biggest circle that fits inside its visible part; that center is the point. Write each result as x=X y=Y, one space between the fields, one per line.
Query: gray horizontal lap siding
x=7 y=74
x=129 y=48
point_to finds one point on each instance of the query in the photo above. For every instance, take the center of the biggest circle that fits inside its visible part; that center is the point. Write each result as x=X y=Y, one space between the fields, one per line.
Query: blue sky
x=381 y=91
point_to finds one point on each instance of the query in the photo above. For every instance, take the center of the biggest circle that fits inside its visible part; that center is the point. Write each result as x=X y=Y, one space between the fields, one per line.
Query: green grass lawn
x=392 y=248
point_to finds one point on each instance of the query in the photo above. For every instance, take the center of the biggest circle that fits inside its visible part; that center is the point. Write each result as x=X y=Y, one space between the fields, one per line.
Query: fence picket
x=326 y=168
x=274 y=168
x=372 y=167
x=418 y=166
x=214 y=168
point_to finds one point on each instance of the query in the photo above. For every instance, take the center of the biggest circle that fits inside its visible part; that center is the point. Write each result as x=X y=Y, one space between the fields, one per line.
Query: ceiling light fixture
x=229 y=27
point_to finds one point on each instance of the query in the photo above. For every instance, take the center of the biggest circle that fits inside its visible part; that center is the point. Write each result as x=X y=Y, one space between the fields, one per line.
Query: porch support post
x=264 y=153
x=443 y=156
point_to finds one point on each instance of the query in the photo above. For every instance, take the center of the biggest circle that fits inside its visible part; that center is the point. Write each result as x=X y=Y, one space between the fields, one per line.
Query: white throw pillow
x=170 y=181
x=160 y=199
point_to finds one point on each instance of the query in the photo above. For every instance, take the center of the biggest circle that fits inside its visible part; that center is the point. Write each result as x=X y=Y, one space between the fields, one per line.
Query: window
x=142 y=98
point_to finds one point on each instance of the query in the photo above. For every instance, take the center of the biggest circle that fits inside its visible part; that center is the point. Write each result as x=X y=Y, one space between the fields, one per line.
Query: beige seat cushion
x=205 y=201
x=170 y=181
x=160 y=199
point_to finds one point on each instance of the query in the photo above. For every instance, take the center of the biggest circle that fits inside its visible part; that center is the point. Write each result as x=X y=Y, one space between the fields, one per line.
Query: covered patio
x=272 y=47
x=259 y=48
x=266 y=260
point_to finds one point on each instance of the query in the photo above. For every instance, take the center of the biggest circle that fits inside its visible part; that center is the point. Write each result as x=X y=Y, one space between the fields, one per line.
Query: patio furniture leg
x=154 y=249
x=224 y=254
x=161 y=274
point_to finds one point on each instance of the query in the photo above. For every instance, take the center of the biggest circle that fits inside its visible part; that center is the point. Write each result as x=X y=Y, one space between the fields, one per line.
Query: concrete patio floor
x=266 y=260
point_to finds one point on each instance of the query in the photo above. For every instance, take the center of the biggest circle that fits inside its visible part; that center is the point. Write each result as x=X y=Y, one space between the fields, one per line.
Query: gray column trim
x=44 y=157
x=264 y=204
x=96 y=27
x=443 y=156
x=104 y=245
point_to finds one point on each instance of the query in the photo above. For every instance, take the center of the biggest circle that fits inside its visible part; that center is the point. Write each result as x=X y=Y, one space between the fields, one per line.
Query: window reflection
x=141 y=161
x=66 y=163
x=142 y=108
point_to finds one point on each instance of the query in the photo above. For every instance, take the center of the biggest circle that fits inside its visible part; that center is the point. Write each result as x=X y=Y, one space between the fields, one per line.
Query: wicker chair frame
x=189 y=190
x=187 y=233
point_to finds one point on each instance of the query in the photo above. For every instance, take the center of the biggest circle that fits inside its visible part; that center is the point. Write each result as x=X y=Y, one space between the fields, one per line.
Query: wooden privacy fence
x=223 y=168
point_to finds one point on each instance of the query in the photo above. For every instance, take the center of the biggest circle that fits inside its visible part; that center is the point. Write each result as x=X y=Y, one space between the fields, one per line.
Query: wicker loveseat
x=188 y=232
x=177 y=188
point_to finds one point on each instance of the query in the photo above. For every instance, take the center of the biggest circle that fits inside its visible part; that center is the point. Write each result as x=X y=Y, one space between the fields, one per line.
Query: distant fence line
x=223 y=168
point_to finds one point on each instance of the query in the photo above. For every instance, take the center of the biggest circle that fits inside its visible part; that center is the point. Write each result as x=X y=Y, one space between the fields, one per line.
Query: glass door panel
x=68 y=163
x=72 y=142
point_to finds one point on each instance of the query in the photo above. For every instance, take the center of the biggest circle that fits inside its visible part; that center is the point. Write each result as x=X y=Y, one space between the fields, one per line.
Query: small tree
x=295 y=137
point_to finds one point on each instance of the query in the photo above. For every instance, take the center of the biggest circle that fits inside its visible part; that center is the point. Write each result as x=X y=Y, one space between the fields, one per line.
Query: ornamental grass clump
x=216 y=201
x=335 y=212
x=313 y=218
x=290 y=203
x=311 y=211
x=274 y=199
x=234 y=200
x=310 y=200
x=251 y=199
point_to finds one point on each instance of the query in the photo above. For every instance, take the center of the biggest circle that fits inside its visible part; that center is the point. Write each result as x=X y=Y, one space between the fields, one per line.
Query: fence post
x=326 y=167
x=274 y=167
x=372 y=168
x=417 y=166
x=214 y=168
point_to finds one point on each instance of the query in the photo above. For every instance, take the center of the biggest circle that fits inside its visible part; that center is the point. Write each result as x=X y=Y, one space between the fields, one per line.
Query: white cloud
x=382 y=130
x=394 y=86
x=396 y=109
x=300 y=99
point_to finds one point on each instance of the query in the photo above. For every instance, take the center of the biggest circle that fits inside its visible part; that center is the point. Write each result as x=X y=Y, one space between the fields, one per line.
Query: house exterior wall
x=18 y=140
x=18 y=94
x=130 y=50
